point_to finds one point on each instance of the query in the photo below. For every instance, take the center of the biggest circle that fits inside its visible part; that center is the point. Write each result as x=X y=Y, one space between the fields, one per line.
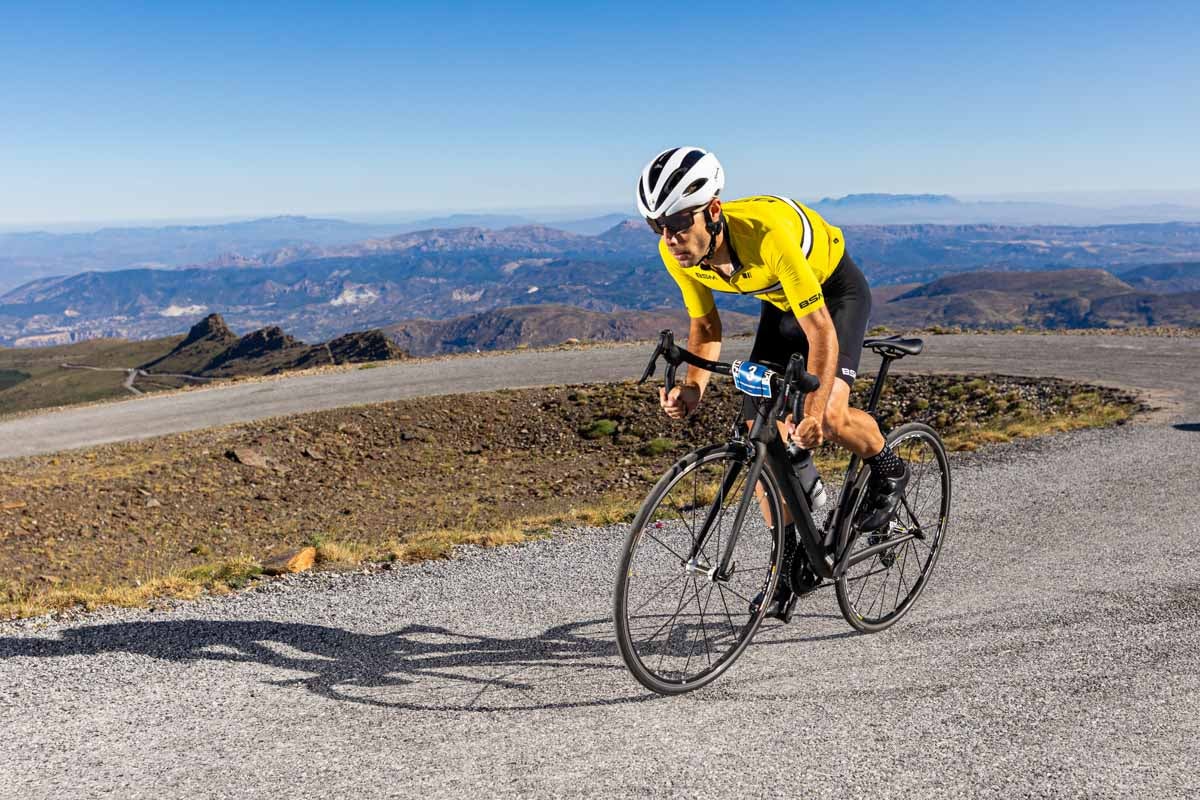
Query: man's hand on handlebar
x=681 y=401
x=809 y=434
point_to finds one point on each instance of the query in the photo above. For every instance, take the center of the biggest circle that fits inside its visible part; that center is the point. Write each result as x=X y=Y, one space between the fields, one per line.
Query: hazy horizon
x=1085 y=200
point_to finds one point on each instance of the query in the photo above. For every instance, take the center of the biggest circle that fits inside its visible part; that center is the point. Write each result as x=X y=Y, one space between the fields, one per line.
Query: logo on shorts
x=849 y=373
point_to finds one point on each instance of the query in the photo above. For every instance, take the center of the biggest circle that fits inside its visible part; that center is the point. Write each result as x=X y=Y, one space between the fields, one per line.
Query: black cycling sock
x=886 y=464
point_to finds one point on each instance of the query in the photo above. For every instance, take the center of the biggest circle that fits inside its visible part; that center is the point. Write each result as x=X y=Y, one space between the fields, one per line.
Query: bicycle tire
x=648 y=556
x=910 y=440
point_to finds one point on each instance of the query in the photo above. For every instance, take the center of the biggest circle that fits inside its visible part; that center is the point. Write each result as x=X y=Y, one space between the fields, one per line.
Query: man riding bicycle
x=815 y=301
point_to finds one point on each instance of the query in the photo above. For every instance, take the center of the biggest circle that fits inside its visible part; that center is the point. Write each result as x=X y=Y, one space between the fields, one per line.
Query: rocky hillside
x=1164 y=278
x=212 y=350
x=1059 y=299
x=98 y=369
x=539 y=326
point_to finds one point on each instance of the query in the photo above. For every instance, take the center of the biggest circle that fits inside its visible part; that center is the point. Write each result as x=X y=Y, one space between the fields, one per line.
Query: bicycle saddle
x=895 y=347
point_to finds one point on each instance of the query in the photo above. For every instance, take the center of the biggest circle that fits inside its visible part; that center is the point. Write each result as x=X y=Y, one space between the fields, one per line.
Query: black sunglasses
x=675 y=223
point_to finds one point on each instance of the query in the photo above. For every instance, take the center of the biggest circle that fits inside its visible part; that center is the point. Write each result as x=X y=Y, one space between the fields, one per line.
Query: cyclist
x=815 y=301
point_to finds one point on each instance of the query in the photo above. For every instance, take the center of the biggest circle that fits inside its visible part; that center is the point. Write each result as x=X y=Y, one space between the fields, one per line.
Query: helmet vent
x=657 y=167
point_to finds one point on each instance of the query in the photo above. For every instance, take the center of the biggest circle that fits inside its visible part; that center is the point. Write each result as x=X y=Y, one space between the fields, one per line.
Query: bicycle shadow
x=417 y=667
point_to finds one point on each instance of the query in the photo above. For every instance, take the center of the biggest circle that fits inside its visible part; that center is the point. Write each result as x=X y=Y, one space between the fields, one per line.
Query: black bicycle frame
x=763 y=444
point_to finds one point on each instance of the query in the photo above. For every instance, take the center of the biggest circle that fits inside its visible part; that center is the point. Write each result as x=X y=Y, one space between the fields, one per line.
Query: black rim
x=880 y=588
x=682 y=621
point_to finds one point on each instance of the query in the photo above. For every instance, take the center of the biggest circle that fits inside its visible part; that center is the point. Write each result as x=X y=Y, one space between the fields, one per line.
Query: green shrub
x=658 y=446
x=598 y=429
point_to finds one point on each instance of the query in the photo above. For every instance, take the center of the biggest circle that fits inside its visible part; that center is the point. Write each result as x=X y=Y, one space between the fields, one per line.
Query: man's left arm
x=822 y=362
x=807 y=300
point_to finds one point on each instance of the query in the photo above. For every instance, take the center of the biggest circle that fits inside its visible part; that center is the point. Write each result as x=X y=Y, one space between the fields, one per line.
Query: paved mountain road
x=1137 y=361
x=1056 y=653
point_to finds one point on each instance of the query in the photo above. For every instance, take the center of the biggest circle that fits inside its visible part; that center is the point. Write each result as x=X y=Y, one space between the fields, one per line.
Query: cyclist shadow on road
x=418 y=667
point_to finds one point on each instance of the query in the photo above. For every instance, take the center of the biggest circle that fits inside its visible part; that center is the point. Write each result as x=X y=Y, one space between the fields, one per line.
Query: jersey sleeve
x=797 y=278
x=697 y=298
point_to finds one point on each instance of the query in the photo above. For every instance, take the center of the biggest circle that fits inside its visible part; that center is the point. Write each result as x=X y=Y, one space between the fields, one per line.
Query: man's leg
x=858 y=432
x=852 y=428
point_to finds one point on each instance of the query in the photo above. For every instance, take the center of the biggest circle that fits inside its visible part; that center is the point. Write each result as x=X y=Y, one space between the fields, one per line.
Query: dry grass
x=1084 y=410
x=220 y=577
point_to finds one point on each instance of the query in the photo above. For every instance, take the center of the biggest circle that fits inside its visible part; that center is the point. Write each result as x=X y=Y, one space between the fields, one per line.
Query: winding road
x=1168 y=365
x=1056 y=652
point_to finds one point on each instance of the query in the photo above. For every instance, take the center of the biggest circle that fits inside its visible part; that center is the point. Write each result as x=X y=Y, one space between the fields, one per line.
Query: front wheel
x=680 y=620
x=881 y=587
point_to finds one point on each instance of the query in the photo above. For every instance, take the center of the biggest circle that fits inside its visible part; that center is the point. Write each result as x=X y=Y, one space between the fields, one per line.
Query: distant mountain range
x=279 y=240
x=321 y=291
x=275 y=240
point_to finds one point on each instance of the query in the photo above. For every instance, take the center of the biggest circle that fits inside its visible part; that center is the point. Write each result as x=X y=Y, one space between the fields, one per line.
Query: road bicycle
x=704 y=554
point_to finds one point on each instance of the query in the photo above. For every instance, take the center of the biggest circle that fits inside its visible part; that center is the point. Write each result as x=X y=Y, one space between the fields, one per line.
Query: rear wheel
x=680 y=623
x=875 y=592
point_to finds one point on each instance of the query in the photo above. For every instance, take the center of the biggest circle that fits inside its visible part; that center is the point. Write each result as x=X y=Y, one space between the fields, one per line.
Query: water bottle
x=806 y=473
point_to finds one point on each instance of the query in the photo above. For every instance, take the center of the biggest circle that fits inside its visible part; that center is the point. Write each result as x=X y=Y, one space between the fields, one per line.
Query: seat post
x=877 y=389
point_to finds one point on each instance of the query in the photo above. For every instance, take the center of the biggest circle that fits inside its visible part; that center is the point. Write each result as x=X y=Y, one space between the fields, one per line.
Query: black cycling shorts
x=779 y=335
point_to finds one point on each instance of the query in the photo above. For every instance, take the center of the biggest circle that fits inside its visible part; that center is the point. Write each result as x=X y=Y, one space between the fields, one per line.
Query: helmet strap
x=714 y=228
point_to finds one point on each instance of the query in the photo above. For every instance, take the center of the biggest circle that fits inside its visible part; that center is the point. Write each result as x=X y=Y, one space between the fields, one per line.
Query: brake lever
x=795 y=367
x=665 y=337
x=650 y=367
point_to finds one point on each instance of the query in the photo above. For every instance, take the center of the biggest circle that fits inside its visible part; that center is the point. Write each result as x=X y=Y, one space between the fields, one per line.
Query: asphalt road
x=1163 y=363
x=1056 y=653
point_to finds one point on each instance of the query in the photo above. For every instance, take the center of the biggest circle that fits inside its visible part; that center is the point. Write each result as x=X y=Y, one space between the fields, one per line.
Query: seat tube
x=877 y=389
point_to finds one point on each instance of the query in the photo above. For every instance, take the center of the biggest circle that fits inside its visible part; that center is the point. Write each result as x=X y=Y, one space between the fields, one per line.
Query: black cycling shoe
x=883 y=497
x=783 y=601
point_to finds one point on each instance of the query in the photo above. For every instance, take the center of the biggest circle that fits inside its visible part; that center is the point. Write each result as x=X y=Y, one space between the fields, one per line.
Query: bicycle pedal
x=787 y=610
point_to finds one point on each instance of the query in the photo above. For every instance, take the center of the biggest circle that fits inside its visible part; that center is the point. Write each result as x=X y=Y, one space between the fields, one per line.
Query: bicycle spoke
x=659 y=591
x=735 y=593
x=665 y=546
x=692 y=649
x=671 y=621
x=728 y=616
x=683 y=519
x=703 y=629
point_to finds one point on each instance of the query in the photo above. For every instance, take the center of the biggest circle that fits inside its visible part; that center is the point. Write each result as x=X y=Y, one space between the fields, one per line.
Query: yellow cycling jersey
x=782 y=252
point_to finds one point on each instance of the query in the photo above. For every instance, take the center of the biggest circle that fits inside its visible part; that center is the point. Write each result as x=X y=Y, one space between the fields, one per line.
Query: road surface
x=1056 y=652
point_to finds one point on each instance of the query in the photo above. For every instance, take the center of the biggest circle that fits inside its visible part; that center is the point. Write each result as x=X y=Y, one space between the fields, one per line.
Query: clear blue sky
x=171 y=110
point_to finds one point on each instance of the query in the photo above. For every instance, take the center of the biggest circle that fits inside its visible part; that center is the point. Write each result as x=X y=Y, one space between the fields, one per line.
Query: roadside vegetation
x=200 y=513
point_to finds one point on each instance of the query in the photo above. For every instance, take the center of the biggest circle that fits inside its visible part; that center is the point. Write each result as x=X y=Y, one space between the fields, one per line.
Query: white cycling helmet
x=678 y=179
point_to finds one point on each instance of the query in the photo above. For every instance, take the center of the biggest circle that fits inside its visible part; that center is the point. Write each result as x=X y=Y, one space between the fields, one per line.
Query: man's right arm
x=704 y=340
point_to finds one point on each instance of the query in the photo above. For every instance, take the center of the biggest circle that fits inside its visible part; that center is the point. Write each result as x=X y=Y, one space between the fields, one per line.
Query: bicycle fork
x=721 y=571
